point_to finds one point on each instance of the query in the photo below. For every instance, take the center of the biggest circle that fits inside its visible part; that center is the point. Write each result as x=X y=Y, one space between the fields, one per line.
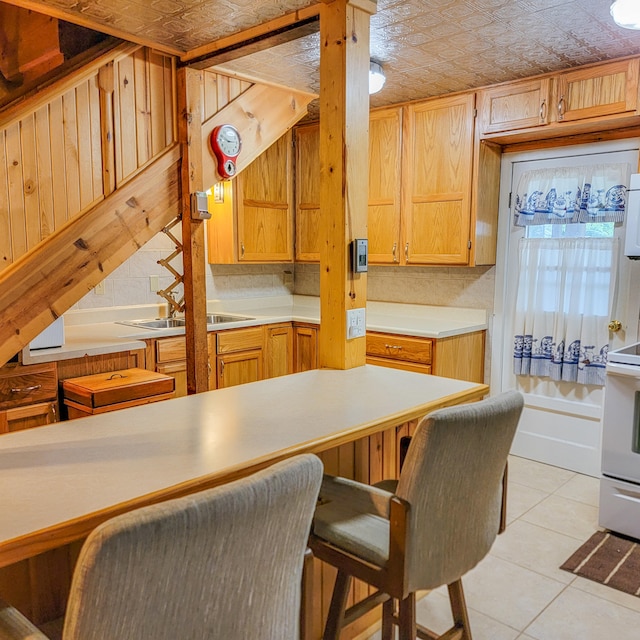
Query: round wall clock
x=226 y=144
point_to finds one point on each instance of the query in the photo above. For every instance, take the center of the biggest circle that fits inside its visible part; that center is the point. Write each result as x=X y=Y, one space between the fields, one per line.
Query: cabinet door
x=516 y=105
x=308 y=193
x=35 y=415
x=265 y=206
x=438 y=156
x=239 y=368
x=305 y=348
x=384 y=186
x=279 y=351
x=603 y=90
x=178 y=370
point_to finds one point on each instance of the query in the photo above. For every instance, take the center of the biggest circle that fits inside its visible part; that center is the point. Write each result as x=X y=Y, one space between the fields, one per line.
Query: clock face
x=228 y=140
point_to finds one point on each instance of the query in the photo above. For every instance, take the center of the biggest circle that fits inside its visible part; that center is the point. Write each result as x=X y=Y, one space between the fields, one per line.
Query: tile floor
x=518 y=592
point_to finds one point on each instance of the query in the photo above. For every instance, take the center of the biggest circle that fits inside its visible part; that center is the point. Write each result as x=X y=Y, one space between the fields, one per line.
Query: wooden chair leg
x=387 y=620
x=459 y=609
x=335 y=617
x=407 y=618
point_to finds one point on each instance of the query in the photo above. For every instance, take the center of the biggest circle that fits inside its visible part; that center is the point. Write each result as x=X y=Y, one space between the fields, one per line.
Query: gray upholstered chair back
x=452 y=479
x=224 y=564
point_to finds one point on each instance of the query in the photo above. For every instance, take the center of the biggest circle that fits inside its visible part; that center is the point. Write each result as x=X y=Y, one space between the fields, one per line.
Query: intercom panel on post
x=359 y=255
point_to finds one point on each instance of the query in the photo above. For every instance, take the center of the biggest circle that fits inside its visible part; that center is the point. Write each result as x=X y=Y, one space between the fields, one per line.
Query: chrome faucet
x=172 y=305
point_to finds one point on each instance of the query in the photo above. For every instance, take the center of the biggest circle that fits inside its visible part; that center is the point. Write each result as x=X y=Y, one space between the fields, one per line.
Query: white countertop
x=97 y=331
x=60 y=480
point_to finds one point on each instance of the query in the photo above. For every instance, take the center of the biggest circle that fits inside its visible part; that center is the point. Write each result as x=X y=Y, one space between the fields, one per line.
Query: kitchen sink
x=171 y=323
x=157 y=323
x=216 y=318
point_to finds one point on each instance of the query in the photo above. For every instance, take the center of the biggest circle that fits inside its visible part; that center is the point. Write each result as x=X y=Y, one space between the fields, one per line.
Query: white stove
x=620 y=482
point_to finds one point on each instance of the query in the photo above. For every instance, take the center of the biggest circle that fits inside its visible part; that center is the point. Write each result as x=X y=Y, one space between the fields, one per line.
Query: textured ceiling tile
x=427 y=47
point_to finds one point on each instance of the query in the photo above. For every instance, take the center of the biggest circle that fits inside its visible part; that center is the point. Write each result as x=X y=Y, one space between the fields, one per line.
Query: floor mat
x=609 y=559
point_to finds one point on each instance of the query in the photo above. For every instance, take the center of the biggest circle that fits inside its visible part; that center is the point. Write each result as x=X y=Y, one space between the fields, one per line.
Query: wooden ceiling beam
x=270 y=34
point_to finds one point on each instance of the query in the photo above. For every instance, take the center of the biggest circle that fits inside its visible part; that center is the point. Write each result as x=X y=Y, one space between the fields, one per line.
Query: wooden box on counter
x=90 y=395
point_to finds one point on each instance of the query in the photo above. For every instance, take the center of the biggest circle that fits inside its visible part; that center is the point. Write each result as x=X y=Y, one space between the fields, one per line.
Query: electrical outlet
x=154 y=283
x=99 y=289
x=356 y=323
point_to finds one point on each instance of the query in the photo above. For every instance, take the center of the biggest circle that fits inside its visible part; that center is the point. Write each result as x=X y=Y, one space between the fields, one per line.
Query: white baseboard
x=559 y=439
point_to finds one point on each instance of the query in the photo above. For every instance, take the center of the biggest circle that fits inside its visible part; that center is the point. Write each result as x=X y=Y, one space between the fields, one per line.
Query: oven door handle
x=626 y=370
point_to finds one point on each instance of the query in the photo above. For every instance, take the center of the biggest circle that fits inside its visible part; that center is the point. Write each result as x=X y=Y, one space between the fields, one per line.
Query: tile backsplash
x=131 y=283
x=440 y=286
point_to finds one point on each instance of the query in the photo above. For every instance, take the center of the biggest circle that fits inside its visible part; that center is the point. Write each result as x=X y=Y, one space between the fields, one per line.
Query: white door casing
x=561 y=423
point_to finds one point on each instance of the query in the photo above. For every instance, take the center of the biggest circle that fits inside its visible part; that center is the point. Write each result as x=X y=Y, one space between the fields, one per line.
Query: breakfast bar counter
x=60 y=481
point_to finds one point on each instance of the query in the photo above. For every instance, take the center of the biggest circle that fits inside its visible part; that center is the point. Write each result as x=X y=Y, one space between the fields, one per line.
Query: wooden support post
x=344 y=173
x=193 y=238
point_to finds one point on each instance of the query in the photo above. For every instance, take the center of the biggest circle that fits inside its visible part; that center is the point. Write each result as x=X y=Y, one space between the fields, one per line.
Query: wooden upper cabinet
x=253 y=221
x=516 y=105
x=438 y=158
x=603 y=90
x=588 y=99
x=385 y=140
x=308 y=193
x=264 y=200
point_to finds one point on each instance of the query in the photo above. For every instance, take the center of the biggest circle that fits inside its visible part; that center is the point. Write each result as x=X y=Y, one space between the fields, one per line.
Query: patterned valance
x=595 y=193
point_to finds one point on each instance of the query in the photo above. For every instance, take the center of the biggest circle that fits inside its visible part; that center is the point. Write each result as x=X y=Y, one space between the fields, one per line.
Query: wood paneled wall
x=218 y=91
x=51 y=166
x=144 y=86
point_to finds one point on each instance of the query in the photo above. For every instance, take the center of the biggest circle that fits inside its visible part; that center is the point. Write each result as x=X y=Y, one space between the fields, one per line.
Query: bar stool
x=222 y=564
x=438 y=524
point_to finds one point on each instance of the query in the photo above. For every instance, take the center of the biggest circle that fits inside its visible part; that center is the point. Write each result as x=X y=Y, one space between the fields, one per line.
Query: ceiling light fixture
x=376 y=77
x=626 y=13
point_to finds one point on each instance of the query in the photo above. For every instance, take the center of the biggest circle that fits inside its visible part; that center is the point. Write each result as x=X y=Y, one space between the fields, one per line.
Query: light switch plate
x=356 y=323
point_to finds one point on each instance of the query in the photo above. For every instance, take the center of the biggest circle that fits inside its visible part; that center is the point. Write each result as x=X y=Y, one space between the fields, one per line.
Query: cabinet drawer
x=400 y=347
x=399 y=364
x=22 y=385
x=170 y=349
x=239 y=340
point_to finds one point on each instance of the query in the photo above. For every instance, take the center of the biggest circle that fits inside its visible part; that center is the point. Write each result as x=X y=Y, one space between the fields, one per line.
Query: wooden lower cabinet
x=239 y=368
x=32 y=415
x=305 y=347
x=169 y=356
x=28 y=396
x=460 y=357
x=278 y=354
x=239 y=356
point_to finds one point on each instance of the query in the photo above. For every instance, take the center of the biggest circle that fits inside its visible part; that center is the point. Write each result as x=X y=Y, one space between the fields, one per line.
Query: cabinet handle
x=53 y=412
x=393 y=346
x=35 y=387
x=394 y=250
x=221 y=368
x=543 y=110
x=406 y=252
x=242 y=249
x=561 y=108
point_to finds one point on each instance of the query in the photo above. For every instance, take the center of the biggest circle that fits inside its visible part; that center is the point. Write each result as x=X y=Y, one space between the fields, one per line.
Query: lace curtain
x=595 y=193
x=565 y=295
